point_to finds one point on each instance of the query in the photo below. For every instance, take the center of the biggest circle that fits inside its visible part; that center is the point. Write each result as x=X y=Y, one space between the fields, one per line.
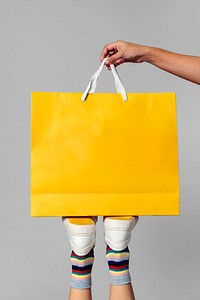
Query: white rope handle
x=93 y=82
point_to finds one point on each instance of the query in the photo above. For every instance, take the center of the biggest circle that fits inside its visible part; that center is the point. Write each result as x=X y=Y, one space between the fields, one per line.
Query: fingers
x=119 y=62
x=108 y=50
x=114 y=59
x=113 y=53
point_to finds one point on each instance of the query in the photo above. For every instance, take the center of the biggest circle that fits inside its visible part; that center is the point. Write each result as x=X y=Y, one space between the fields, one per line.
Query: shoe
x=82 y=233
x=118 y=231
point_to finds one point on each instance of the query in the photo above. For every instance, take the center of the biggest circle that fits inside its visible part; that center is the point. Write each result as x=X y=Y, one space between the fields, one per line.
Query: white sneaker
x=118 y=231
x=82 y=233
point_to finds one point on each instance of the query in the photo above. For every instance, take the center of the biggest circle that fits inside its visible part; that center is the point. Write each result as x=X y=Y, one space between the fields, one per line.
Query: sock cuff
x=121 y=280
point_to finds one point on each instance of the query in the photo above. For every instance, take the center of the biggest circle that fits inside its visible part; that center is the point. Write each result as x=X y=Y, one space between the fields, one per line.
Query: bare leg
x=120 y=292
x=76 y=294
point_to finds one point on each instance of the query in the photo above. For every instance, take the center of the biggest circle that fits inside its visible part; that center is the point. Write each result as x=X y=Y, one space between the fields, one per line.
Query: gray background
x=54 y=45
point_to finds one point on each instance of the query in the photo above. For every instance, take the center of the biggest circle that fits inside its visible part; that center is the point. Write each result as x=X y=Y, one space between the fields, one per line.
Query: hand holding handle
x=93 y=82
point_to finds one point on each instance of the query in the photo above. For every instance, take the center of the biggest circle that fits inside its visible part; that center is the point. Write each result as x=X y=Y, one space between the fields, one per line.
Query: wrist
x=149 y=54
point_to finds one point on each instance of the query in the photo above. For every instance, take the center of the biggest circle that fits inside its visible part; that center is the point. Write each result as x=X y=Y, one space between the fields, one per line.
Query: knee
x=118 y=231
x=81 y=233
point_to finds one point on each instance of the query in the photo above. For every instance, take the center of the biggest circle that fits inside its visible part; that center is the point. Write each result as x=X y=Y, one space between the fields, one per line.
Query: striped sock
x=118 y=262
x=81 y=270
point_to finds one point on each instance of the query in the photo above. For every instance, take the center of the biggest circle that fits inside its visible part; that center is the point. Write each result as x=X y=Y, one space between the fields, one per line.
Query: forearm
x=184 y=66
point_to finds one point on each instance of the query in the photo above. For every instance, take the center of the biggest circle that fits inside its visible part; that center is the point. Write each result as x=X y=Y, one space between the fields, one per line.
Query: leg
x=81 y=232
x=76 y=294
x=117 y=236
x=119 y=292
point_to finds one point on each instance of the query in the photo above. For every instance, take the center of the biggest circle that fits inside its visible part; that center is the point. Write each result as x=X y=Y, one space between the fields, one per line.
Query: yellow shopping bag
x=104 y=156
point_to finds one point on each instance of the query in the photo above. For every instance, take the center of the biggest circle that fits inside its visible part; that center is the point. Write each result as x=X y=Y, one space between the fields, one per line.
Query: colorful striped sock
x=118 y=262
x=81 y=270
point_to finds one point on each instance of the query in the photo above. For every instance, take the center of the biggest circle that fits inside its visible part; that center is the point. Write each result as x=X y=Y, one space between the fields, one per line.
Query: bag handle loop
x=93 y=82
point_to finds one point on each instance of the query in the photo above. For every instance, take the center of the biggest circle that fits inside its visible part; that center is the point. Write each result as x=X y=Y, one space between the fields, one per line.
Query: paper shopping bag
x=104 y=156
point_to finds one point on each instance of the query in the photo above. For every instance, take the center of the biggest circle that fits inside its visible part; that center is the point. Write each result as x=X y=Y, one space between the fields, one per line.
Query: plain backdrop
x=55 y=45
